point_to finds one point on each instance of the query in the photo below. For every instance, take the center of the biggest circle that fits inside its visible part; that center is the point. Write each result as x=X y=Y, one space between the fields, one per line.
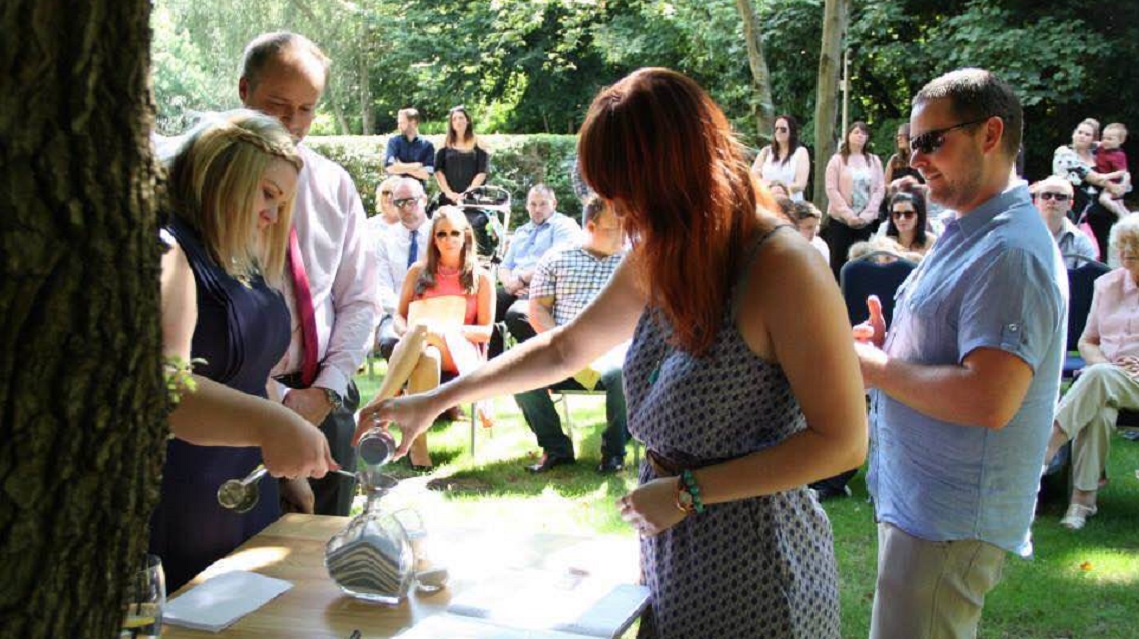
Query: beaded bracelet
x=688 y=493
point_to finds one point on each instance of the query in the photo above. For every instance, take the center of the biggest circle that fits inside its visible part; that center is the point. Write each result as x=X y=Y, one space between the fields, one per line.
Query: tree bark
x=82 y=397
x=835 y=19
x=763 y=106
x=367 y=116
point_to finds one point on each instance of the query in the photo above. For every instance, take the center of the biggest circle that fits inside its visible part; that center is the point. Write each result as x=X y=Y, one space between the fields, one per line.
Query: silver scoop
x=241 y=495
x=374 y=450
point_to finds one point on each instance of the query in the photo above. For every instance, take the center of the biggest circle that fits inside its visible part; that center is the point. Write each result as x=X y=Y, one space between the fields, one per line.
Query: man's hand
x=298 y=495
x=310 y=403
x=868 y=339
x=873 y=330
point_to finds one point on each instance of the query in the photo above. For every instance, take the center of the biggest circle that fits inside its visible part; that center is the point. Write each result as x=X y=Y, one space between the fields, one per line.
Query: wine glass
x=144 y=600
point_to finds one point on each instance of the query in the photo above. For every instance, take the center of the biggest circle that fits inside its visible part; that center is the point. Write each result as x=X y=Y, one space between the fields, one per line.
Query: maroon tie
x=303 y=295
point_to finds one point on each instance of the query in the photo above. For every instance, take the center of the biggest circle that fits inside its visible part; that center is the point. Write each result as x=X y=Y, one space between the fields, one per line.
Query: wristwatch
x=334 y=398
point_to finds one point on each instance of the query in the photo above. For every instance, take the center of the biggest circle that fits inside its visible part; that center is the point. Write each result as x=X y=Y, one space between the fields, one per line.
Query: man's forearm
x=950 y=393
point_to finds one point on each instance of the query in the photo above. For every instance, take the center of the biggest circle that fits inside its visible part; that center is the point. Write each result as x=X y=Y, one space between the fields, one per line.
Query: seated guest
x=1053 y=198
x=408 y=154
x=564 y=283
x=429 y=348
x=1110 y=346
x=387 y=215
x=807 y=220
x=403 y=245
x=887 y=250
x=779 y=189
x=785 y=209
x=907 y=224
x=236 y=173
x=461 y=164
x=546 y=230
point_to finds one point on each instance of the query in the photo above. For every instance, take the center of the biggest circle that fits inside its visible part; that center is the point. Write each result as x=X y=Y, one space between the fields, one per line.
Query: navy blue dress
x=243 y=330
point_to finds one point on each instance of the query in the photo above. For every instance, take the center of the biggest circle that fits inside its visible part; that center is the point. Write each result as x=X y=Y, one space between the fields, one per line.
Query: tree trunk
x=338 y=113
x=367 y=116
x=82 y=398
x=835 y=17
x=763 y=106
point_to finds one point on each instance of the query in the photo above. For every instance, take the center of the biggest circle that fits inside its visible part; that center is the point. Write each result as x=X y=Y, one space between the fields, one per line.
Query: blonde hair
x=1117 y=127
x=214 y=180
x=1125 y=235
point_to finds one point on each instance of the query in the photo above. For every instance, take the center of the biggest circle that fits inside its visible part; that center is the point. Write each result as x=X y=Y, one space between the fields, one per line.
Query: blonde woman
x=440 y=342
x=232 y=185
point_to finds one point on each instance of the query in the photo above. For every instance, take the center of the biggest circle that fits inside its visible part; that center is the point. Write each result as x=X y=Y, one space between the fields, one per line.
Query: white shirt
x=342 y=272
x=393 y=249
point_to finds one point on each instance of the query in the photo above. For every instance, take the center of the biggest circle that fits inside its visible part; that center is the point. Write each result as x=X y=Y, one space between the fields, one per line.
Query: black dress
x=460 y=167
x=243 y=330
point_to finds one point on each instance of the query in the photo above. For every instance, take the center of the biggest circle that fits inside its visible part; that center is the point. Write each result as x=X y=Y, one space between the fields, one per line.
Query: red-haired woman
x=741 y=378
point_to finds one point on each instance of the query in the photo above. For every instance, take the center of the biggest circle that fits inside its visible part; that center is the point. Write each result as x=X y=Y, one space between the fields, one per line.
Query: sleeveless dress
x=785 y=172
x=466 y=355
x=762 y=567
x=242 y=331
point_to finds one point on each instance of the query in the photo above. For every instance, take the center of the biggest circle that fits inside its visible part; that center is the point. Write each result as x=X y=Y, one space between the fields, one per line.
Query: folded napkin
x=219 y=601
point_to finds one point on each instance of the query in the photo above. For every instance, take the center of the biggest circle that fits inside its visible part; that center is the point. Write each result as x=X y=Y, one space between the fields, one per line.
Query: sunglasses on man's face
x=903 y=214
x=931 y=141
x=442 y=234
x=405 y=202
x=1050 y=195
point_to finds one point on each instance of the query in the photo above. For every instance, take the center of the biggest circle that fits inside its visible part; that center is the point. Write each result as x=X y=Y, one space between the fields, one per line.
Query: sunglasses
x=931 y=141
x=781 y=129
x=442 y=234
x=405 y=202
x=897 y=215
x=1049 y=195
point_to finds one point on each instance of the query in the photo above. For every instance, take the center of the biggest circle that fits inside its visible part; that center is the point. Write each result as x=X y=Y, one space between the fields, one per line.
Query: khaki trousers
x=931 y=589
x=1087 y=414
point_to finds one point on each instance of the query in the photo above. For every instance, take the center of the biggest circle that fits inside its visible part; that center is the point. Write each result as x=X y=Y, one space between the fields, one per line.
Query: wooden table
x=293 y=549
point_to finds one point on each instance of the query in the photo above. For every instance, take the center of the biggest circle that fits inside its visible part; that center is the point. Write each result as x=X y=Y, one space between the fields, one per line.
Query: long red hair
x=657 y=145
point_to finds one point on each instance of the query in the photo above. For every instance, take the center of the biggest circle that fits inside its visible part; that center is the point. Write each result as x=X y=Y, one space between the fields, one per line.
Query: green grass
x=1081 y=585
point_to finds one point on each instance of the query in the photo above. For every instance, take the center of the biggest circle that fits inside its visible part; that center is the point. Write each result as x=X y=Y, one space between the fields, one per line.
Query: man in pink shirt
x=1110 y=382
x=284 y=75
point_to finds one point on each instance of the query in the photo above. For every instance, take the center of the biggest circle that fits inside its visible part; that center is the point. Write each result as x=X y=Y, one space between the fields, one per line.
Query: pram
x=488 y=210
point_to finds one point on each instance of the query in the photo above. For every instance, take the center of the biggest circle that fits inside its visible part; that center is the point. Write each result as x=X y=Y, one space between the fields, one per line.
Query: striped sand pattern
x=372 y=566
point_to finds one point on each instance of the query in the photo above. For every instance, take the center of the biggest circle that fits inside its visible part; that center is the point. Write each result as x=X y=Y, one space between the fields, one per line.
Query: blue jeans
x=542 y=417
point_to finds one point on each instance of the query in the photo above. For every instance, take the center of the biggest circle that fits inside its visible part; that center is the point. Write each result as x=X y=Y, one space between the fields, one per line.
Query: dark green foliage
x=517 y=162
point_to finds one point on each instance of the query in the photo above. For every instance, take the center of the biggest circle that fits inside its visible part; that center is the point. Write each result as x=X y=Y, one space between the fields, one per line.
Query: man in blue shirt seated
x=564 y=283
x=1053 y=198
x=546 y=230
x=408 y=154
x=966 y=380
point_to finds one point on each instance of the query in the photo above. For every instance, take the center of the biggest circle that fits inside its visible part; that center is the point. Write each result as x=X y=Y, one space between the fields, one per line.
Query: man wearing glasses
x=965 y=382
x=404 y=244
x=1053 y=199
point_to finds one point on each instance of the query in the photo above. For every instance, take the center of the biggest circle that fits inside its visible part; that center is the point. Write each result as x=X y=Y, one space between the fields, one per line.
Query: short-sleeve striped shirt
x=573 y=276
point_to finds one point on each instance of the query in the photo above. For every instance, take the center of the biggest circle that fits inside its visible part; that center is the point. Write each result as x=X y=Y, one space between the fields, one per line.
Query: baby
x=1111 y=162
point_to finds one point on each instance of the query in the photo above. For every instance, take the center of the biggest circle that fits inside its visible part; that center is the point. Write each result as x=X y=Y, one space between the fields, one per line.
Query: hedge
x=517 y=162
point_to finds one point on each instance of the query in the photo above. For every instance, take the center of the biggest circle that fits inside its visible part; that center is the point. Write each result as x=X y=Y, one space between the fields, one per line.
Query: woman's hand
x=412 y=415
x=651 y=507
x=296 y=448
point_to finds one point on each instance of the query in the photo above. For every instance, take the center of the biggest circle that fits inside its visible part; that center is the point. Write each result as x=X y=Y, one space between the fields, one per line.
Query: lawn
x=1081 y=585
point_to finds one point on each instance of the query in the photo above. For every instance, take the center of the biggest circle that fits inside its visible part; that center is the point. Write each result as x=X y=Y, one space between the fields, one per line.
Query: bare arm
x=1090 y=340
x=542 y=360
x=542 y=313
x=216 y=415
x=802 y=170
x=985 y=390
x=480 y=333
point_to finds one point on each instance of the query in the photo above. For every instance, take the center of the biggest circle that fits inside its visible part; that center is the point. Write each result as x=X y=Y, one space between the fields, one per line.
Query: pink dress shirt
x=1114 y=316
x=342 y=272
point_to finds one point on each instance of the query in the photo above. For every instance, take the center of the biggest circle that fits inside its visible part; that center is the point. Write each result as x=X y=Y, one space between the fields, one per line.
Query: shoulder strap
x=749 y=258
